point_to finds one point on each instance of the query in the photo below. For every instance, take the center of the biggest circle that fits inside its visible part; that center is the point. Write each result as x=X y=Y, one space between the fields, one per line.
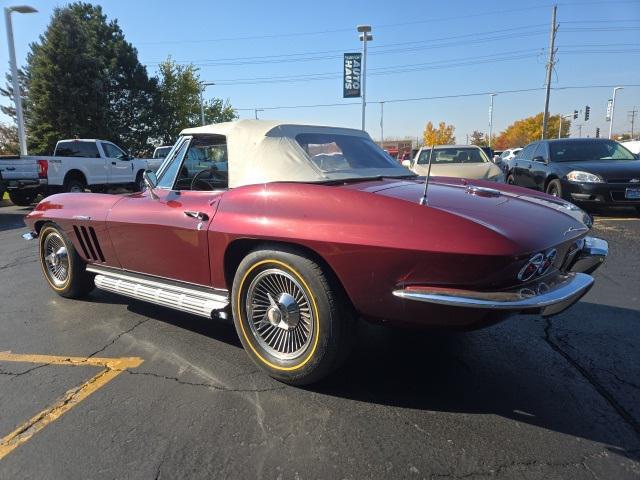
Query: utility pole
x=365 y=37
x=552 y=42
x=203 y=86
x=256 y=110
x=491 y=117
x=579 y=130
x=382 y=124
x=632 y=115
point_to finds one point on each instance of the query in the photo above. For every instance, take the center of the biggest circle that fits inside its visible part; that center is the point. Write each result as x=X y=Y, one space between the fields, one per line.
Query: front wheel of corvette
x=290 y=316
x=61 y=265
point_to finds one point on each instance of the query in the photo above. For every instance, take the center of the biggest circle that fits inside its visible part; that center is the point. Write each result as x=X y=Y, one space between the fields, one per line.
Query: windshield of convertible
x=452 y=155
x=584 y=150
x=351 y=156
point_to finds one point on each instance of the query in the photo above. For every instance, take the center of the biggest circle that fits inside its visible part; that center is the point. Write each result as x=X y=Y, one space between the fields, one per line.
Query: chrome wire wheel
x=56 y=259
x=279 y=314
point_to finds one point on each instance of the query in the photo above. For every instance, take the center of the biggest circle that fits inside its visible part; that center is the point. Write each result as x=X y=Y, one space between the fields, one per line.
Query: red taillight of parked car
x=43 y=168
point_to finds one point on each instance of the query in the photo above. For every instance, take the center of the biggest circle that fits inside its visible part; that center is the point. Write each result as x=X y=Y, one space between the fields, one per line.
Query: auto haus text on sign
x=352 y=75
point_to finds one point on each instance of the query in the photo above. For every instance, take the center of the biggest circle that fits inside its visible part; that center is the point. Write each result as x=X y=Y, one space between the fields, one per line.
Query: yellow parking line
x=112 y=367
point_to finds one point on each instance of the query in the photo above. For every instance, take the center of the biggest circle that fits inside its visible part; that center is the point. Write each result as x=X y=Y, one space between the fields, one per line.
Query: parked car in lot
x=462 y=161
x=307 y=228
x=509 y=153
x=76 y=165
x=586 y=171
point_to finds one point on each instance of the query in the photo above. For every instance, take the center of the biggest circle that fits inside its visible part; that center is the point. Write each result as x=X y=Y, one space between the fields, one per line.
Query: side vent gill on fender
x=89 y=243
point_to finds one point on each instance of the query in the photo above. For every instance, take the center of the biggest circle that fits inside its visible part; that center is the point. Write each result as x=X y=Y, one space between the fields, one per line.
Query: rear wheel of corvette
x=61 y=265
x=554 y=188
x=291 y=319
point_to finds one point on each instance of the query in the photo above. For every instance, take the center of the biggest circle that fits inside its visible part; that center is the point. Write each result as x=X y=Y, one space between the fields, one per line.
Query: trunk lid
x=523 y=216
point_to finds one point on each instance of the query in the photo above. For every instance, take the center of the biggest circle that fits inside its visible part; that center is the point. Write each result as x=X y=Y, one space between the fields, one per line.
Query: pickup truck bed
x=27 y=177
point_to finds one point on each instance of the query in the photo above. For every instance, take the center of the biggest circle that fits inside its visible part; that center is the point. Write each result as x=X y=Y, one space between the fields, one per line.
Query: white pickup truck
x=76 y=165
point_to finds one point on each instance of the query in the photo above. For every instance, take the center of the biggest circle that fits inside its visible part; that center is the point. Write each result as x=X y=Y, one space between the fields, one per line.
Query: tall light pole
x=14 y=72
x=365 y=37
x=613 y=109
x=491 y=117
x=203 y=86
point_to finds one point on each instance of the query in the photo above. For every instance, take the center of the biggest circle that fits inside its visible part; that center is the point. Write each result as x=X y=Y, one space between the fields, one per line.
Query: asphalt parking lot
x=113 y=388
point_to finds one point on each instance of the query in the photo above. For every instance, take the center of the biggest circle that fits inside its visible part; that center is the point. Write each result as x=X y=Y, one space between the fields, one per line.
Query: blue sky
x=420 y=49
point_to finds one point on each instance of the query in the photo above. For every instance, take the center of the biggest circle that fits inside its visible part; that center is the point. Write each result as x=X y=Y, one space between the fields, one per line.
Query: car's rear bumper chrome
x=543 y=298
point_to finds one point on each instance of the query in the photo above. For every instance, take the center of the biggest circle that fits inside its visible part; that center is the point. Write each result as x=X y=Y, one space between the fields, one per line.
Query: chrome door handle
x=199 y=215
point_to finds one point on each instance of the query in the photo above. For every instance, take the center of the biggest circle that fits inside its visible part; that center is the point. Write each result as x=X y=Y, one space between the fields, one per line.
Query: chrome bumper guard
x=545 y=298
x=593 y=253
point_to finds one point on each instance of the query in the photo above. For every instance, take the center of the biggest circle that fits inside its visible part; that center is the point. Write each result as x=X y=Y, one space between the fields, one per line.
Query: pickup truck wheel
x=74 y=185
x=61 y=265
x=291 y=320
x=139 y=185
x=22 y=199
x=554 y=188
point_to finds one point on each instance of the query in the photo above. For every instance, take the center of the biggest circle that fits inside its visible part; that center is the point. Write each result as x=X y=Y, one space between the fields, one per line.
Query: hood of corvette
x=523 y=216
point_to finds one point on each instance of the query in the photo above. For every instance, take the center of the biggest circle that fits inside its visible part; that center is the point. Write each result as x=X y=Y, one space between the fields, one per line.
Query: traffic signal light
x=575 y=114
x=597 y=132
x=587 y=110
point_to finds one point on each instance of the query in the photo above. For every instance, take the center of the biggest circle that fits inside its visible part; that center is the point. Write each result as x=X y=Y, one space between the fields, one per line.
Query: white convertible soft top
x=262 y=151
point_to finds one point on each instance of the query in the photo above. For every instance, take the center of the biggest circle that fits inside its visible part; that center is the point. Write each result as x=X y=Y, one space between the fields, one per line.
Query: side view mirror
x=406 y=163
x=150 y=181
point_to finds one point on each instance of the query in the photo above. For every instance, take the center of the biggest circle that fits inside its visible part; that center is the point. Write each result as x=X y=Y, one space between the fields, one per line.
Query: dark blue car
x=585 y=171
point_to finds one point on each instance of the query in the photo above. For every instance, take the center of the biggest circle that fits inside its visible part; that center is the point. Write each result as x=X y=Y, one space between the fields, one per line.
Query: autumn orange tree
x=443 y=135
x=527 y=130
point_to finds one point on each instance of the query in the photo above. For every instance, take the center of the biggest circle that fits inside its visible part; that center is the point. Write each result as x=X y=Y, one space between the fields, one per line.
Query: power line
x=349 y=29
x=477 y=37
x=441 y=97
x=406 y=68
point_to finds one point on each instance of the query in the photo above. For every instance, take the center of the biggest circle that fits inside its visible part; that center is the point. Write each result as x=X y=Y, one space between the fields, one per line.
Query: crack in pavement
x=28 y=370
x=526 y=465
x=210 y=386
x=118 y=337
x=19 y=261
x=592 y=379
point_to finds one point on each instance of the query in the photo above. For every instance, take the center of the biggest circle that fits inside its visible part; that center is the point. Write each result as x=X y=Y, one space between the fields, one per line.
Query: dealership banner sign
x=351 y=79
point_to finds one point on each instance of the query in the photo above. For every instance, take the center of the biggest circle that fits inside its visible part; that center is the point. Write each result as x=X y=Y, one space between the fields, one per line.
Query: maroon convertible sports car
x=297 y=230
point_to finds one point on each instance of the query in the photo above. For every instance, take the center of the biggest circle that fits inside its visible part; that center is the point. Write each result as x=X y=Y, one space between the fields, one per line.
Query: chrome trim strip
x=191 y=300
x=564 y=293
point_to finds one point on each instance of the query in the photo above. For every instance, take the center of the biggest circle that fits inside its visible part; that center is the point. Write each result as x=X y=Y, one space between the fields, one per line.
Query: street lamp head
x=364 y=28
x=207 y=84
x=22 y=9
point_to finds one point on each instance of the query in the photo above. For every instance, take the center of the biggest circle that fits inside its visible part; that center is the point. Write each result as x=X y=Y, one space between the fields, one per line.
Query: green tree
x=443 y=135
x=180 y=101
x=84 y=79
x=7 y=91
x=8 y=140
